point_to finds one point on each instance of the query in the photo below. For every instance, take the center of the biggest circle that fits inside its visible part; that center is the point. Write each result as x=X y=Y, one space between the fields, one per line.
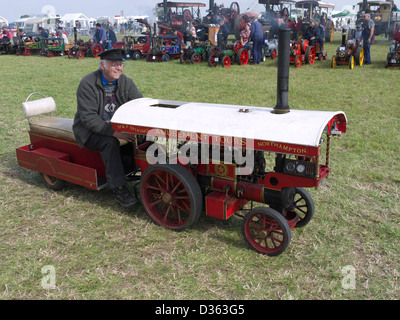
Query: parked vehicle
x=233 y=52
x=301 y=52
x=393 y=57
x=166 y=47
x=316 y=10
x=52 y=47
x=381 y=13
x=83 y=49
x=349 y=53
x=274 y=9
x=136 y=46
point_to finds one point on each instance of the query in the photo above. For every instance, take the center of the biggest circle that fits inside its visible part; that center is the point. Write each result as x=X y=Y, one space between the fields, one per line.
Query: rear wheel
x=171 y=196
x=53 y=183
x=359 y=56
x=330 y=31
x=266 y=231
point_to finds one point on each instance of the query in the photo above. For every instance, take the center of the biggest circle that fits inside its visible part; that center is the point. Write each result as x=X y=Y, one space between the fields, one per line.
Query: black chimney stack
x=165 y=7
x=364 y=5
x=75 y=36
x=282 y=98
x=343 y=37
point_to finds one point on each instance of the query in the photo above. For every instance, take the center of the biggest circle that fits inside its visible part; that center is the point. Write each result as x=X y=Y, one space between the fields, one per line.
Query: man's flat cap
x=113 y=55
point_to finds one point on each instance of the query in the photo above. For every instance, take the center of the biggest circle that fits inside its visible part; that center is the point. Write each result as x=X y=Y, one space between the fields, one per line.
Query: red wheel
x=273 y=54
x=80 y=55
x=196 y=59
x=304 y=45
x=266 y=231
x=212 y=61
x=183 y=59
x=71 y=54
x=235 y=9
x=226 y=62
x=243 y=57
x=310 y=55
x=237 y=46
x=50 y=54
x=298 y=61
x=171 y=196
x=28 y=53
x=96 y=50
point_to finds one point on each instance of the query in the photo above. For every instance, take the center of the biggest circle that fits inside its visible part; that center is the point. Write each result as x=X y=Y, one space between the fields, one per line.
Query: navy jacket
x=256 y=30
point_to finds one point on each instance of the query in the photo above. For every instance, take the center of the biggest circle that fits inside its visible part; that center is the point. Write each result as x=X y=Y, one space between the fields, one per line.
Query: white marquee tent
x=78 y=20
x=3 y=21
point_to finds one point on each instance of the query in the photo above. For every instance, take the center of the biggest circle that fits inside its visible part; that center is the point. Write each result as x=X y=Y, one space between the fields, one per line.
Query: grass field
x=98 y=250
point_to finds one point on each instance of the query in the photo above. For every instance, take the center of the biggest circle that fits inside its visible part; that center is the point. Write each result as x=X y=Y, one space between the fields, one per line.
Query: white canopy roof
x=296 y=127
x=3 y=21
x=73 y=17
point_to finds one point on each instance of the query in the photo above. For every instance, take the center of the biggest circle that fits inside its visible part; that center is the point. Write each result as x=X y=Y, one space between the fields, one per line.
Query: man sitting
x=99 y=95
x=312 y=33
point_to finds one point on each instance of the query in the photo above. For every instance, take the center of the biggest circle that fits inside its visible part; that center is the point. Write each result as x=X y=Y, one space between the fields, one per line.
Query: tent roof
x=73 y=16
x=343 y=13
x=3 y=20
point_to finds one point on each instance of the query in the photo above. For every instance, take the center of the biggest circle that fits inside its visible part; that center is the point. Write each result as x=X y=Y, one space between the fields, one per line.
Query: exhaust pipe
x=282 y=99
x=76 y=36
x=343 y=37
x=364 y=5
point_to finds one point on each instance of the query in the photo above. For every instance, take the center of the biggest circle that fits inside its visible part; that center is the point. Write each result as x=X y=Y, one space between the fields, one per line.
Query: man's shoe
x=124 y=197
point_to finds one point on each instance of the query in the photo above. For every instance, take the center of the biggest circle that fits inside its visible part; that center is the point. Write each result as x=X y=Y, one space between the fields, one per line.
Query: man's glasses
x=116 y=65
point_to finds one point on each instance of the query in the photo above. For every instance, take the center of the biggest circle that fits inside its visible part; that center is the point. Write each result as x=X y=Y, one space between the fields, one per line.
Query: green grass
x=101 y=251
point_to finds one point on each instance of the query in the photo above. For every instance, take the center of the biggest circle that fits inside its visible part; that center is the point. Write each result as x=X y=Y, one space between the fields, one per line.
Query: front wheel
x=165 y=57
x=212 y=61
x=351 y=63
x=298 y=61
x=243 y=56
x=195 y=59
x=136 y=55
x=310 y=55
x=267 y=231
x=171 y=196
x=333 y=63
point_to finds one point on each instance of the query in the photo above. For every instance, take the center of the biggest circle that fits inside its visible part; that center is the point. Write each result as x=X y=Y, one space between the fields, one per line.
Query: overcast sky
x=14 y=9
